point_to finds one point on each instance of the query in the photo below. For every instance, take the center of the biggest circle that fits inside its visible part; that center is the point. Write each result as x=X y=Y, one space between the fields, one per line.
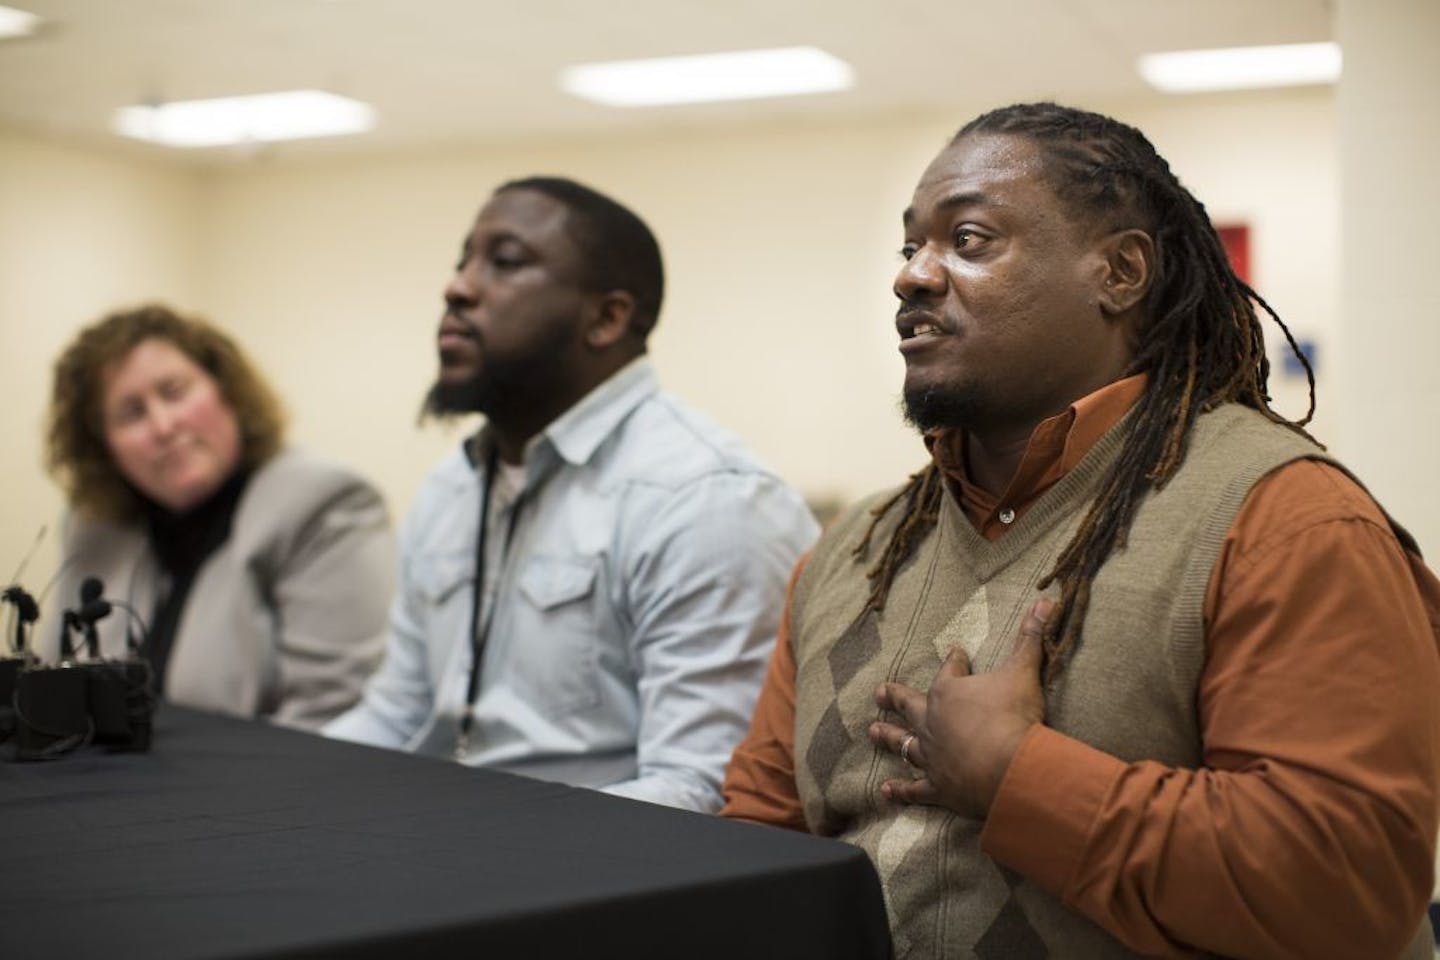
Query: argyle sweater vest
x=1129 y=689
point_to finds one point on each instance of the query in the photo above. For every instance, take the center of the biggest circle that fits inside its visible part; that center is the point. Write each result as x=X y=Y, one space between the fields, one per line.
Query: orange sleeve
x=760 y=780
x=1309 y=830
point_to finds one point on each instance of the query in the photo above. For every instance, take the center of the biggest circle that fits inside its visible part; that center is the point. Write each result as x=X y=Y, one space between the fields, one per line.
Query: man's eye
x=506 y=262
x=965 y=237
x=908 y=251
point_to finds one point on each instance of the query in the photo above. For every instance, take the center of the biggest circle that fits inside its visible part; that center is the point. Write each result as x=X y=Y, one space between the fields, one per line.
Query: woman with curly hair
x=262 y=574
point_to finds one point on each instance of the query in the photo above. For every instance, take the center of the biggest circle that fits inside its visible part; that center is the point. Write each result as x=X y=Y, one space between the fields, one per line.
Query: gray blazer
x=285 y=620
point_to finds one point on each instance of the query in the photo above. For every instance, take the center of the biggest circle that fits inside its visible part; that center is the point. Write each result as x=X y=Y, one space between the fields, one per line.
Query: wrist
x=1007 y=744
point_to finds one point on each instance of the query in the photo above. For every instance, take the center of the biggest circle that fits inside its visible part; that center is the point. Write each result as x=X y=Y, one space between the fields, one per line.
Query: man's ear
x=615 y=309
x=1129 y=270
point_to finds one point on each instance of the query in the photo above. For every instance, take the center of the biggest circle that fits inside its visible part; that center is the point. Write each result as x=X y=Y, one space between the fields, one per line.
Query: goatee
x=446 y=400
x=935 y=408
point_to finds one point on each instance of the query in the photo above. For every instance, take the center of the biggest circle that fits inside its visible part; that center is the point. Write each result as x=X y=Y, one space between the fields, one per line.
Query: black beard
x=932 y=408
x=446 y=400
x=505 y=386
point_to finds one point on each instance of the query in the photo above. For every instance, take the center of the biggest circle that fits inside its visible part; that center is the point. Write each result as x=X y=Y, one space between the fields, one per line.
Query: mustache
x=453 y=318
x=915 y=313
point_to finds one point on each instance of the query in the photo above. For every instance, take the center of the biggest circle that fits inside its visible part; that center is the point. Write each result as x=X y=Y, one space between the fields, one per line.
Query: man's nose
x=463 y=287
x=920 y=275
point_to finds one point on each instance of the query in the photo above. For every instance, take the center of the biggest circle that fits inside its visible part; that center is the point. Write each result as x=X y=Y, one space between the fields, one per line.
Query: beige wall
x=1389 y=116
x=781 y=246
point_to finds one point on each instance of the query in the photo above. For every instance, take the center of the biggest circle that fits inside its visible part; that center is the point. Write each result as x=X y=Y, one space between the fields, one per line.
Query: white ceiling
x=447 y=71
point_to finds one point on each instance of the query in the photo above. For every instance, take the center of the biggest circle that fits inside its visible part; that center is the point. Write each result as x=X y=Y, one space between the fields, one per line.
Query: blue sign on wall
x=1291 y=363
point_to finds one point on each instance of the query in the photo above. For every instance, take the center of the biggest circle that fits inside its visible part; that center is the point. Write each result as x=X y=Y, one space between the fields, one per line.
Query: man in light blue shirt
x=631 y=557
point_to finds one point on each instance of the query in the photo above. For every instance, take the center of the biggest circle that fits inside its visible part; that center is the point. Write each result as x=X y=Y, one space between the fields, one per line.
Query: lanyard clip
x=462 y=737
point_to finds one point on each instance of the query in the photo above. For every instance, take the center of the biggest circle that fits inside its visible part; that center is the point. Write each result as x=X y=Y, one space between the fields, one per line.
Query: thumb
x=957 y=662
x=1029 y=648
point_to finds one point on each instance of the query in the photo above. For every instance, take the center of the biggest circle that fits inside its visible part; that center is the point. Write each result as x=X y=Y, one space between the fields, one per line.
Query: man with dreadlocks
x=1181 y=670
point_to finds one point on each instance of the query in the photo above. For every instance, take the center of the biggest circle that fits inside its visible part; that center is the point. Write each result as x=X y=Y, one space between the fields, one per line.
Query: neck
x=991 y=460
x=517 y=424
x=509 y=445
x=513 y=425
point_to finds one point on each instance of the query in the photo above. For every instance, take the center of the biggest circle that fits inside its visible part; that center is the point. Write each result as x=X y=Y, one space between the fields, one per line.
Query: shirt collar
x=578 y=432
x=1055 y=447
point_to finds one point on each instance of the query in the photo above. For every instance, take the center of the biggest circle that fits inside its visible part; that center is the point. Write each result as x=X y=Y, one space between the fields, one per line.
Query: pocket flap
x=551 y=581
x=436 y=577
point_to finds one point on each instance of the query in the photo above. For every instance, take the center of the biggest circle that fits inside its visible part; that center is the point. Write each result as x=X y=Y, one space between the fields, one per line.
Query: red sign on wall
x=1235 y=238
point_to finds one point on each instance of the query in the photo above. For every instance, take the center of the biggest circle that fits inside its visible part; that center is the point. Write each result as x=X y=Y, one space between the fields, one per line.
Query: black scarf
x=182 y=543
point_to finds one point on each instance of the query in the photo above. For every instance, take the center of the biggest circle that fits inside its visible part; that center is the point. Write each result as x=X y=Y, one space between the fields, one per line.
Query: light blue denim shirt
x=634 y=610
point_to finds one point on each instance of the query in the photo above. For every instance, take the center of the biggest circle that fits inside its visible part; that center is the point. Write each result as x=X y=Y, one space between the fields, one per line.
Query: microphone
x=93 y=608
x=17 y=658
x=107 y=702
x=27 y=608
x=27 y=611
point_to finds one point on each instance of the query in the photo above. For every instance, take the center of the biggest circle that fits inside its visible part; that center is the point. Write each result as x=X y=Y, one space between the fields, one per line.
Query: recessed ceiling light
x=17 y=23
x=741 y=75
x=1237 y=68
x=292 y=115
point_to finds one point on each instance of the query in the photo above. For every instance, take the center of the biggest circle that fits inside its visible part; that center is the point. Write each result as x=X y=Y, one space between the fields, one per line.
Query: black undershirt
x=182 y=543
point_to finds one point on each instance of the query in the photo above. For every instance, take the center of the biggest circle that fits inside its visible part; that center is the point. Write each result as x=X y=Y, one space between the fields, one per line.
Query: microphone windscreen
x=93 y=610
x=26 y=605
x=90 y=589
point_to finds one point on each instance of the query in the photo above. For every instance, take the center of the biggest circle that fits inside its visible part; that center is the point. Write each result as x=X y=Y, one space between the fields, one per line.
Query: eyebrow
x=961 y=198
x=500 y=235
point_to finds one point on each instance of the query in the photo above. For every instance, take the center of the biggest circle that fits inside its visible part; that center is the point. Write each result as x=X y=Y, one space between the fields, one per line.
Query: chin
x=456 y=396
x=939 y=407
x=188 y=497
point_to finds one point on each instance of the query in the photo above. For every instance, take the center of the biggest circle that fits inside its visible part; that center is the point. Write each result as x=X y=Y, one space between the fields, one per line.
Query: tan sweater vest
x=1129 y=689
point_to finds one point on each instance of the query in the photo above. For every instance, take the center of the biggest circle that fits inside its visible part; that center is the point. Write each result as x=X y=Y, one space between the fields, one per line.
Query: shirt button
x=1007 y=516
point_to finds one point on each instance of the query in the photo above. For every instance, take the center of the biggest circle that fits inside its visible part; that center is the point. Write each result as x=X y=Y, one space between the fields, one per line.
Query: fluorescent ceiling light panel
x=293 y=115
x=17 y=23
x=742 y=75
x=1238 y=68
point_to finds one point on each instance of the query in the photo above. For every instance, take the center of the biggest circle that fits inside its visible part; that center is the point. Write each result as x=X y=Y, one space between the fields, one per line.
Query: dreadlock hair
x=1201 y=345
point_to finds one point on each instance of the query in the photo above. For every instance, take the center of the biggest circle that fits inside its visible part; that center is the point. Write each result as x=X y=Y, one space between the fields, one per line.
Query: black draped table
x=233 y=839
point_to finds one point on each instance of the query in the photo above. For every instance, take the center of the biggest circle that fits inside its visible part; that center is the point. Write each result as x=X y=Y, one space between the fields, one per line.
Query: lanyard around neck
x=480 y=626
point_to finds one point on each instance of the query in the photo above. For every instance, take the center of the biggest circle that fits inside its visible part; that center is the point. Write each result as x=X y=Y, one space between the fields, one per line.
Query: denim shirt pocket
x=549 y=582
x=556 y=646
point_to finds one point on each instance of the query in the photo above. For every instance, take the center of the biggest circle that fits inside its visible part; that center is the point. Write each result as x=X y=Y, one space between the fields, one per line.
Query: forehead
x=148 y=356
x=149 y=360
x=531 y=216
x=1000 y=171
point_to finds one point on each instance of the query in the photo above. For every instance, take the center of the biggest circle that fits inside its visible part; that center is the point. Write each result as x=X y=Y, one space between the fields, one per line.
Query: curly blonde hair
x=76 y=452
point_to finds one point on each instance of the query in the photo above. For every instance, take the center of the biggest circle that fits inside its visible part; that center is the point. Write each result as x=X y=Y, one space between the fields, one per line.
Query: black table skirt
x=233 y=839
